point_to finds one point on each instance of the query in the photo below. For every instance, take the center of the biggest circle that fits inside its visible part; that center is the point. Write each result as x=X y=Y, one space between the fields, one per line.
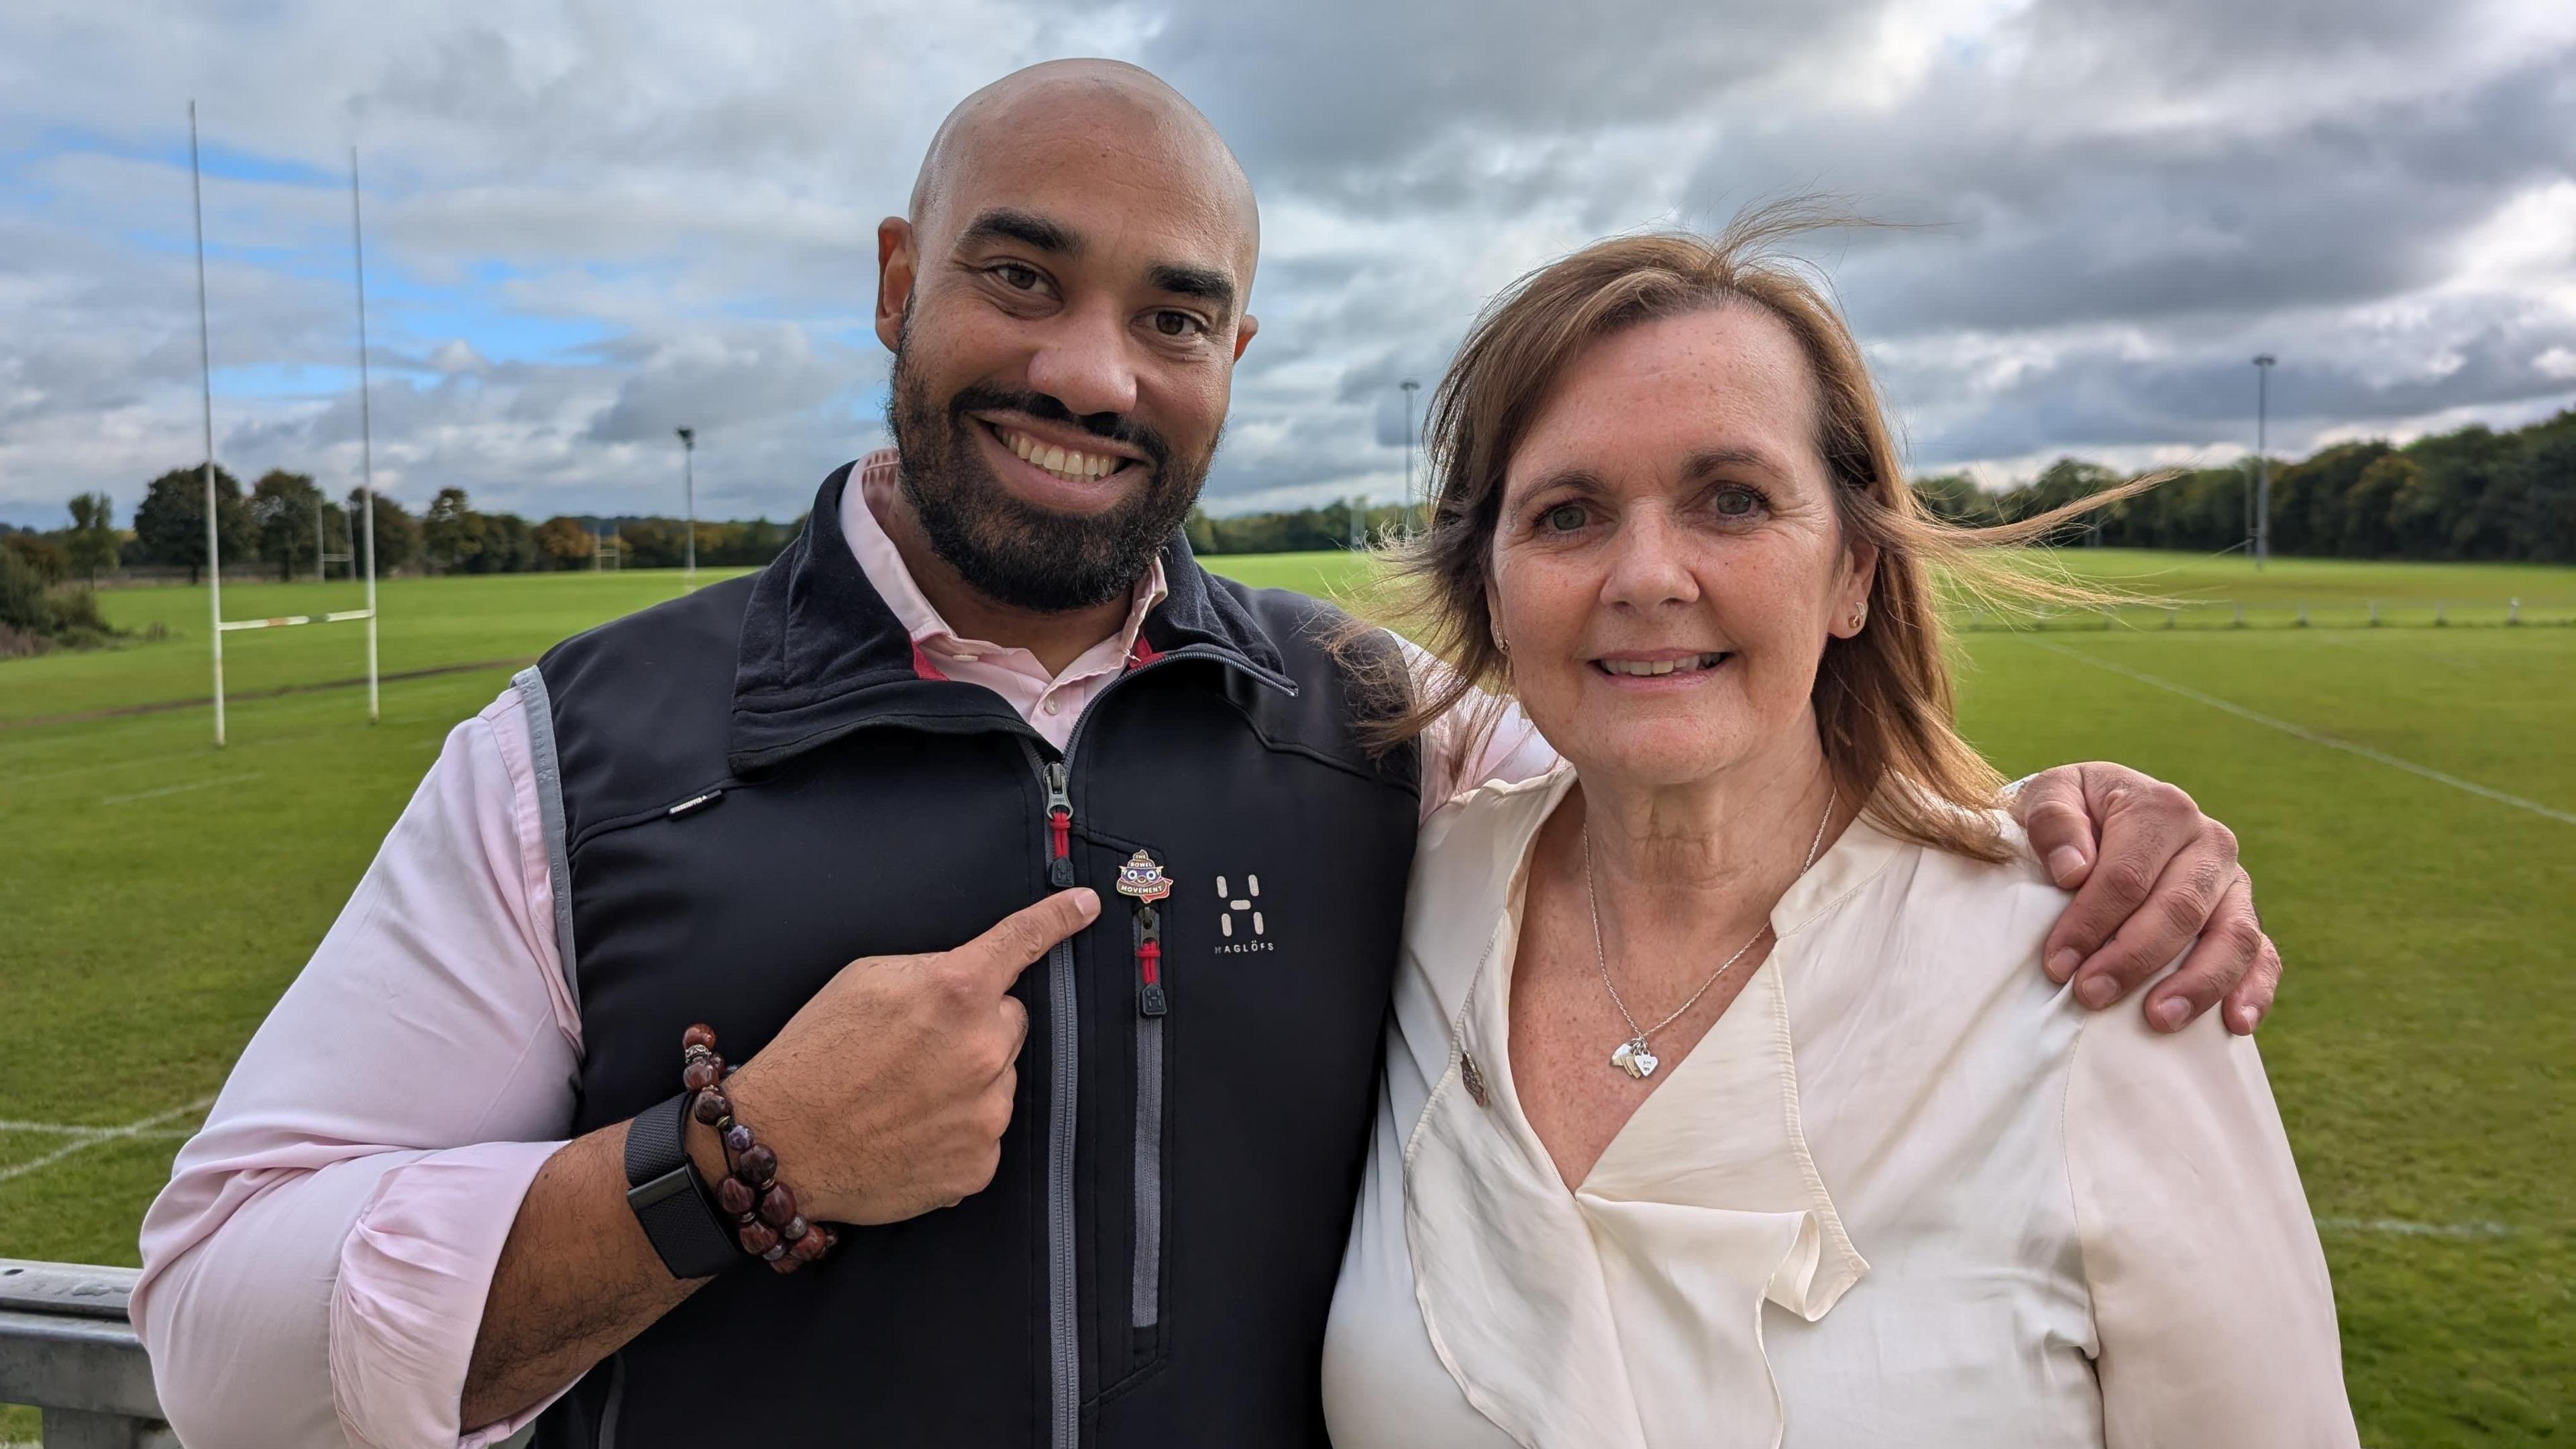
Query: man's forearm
x=576 y=1280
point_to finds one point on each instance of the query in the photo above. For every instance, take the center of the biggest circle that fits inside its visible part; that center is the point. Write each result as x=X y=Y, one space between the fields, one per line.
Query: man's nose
x=1648 y=563
x=1084 y=364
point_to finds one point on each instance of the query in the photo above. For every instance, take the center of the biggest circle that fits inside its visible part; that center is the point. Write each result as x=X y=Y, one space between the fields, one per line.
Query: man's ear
x=1243 y=334
x=896 y=265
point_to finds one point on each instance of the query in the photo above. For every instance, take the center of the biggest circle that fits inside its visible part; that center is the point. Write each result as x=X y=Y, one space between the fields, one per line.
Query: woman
x=1726 y=1104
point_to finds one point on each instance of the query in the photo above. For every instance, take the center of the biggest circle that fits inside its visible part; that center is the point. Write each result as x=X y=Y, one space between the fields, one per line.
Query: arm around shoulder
x=2214 y=1316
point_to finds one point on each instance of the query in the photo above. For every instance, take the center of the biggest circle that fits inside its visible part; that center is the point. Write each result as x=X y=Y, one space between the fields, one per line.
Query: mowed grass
x=157 y=894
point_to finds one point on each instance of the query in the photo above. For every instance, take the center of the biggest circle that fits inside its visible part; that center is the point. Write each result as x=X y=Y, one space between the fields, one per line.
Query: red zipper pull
x=1150 y=998
x=1059 y=827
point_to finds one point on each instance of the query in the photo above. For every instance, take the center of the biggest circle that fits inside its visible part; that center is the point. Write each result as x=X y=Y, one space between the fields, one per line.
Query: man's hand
x=886 y=1095
x=2164 y=874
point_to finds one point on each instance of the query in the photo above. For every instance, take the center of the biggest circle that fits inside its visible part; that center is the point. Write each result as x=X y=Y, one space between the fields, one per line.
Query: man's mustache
x=1115 y=427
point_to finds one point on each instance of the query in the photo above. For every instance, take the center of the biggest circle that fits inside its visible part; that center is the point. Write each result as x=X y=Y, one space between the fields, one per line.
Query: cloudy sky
x=589 y=222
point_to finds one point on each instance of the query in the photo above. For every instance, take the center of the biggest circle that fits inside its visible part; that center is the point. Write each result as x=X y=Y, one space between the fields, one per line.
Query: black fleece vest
x=760 y=785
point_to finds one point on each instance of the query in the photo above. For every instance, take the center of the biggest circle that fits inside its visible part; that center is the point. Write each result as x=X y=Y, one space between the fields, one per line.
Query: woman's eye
x=1564 y=518
x=1738 y=502
x=1175 y=324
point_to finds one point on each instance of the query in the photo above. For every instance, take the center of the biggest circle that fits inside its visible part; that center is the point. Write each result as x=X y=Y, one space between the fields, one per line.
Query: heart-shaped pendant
x=1633 y=1058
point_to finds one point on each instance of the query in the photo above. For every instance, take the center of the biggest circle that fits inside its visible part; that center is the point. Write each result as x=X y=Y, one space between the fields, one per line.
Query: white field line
x=2400 y=1228
x=179 y=789
x=2311 y=736
x=95 y=1136
x=74 y=1129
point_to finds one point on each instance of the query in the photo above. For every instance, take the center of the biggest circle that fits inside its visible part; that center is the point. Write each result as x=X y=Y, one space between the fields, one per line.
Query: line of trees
x=2471 y=494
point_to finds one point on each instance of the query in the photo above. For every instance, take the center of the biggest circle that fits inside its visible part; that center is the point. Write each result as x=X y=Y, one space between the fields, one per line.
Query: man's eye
x=1016 y=277
x=1564 y=518
x=1176 y=324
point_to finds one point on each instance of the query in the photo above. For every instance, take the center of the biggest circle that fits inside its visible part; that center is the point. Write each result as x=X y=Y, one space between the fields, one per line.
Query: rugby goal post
x=366 y=453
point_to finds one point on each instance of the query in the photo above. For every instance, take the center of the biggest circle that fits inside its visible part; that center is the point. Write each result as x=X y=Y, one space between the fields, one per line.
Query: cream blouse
x=1904 y=1192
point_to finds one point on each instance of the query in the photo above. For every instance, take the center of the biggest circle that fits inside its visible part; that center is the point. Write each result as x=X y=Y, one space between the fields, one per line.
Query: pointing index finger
x=1020 y=938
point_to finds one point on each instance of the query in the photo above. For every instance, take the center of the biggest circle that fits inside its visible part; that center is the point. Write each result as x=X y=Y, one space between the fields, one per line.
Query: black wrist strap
x=663 y=1189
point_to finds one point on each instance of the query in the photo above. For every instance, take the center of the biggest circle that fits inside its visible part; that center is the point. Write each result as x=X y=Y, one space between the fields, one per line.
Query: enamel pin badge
x=1142 y=878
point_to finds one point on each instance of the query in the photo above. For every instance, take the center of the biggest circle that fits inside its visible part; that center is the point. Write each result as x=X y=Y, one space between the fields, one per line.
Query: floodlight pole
x=689 y=503
x=2262 y=464
x=366 y=427
x=1410 y=387
x=206 y=380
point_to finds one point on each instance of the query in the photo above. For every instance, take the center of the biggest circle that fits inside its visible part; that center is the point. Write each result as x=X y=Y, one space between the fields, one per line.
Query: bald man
x=1032 y=878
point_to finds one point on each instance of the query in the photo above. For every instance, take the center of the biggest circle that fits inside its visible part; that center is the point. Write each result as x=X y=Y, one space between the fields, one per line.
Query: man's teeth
x=1064 y=463
x=1662 y=666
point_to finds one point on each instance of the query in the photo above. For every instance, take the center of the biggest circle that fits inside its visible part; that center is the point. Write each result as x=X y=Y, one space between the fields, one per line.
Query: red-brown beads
x=766 y=1222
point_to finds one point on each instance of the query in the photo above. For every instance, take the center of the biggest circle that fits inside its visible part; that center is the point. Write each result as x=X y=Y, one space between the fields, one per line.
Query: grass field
x=2406 y=796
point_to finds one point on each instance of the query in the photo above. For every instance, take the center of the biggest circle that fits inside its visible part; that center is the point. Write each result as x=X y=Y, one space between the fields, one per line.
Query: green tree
x=397 y=532
x=287 y=508
x=91 y=541
x=170 y=525
x=451 y=533
x=42 y=560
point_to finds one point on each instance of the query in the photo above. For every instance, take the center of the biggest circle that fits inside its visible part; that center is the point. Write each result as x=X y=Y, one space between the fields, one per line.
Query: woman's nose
x=1648 y=564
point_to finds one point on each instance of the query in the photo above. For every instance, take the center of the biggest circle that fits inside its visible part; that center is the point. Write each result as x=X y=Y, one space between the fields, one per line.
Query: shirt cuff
x=414 y=1273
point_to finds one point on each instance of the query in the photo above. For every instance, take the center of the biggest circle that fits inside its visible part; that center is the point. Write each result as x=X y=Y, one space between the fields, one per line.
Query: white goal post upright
x=214 y=546
x=366 y=428
x=206 y=377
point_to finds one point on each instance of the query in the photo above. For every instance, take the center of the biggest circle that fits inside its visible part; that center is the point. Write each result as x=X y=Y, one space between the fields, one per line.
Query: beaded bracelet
x=763 y=1209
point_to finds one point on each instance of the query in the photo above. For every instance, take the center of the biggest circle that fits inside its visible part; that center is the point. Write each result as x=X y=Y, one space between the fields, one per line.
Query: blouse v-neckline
x=1833 y=876
x=1547 y=1303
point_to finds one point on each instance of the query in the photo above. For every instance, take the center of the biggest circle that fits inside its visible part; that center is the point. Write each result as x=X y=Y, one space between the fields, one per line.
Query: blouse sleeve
x=2213 y=1315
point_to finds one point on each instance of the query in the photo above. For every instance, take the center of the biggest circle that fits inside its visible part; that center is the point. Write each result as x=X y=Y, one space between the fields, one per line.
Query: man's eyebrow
x=1003 y=223
x=1205 y=283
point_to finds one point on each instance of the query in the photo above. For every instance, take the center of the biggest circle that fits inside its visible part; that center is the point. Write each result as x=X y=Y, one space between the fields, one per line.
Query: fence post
x=2303 y=616
x=2440 y=620
x=2374 y=613
x=2513 y=611
x=2240 y=616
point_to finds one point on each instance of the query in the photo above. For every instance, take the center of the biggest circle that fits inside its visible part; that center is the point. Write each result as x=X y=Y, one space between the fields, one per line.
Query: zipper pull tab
x=1059 y=827
x=1150 y=999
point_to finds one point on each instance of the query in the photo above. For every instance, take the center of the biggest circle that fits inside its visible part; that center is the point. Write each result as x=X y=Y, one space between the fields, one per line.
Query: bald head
x=1124 y=115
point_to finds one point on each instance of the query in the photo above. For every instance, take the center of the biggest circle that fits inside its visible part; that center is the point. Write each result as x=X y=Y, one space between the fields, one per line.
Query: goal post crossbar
x=341 y=617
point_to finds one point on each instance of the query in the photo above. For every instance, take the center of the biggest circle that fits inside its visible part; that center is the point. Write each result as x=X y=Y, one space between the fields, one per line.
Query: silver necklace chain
x=1636 y=1056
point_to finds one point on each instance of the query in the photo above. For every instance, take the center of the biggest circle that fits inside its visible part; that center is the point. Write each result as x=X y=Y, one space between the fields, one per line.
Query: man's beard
x=1015 y=552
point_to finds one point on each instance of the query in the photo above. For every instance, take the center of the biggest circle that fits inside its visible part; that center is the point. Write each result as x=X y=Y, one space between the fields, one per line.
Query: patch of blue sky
x=215 y=159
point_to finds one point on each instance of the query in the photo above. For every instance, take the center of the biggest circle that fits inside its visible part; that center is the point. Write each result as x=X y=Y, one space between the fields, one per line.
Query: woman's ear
x=1859 y=580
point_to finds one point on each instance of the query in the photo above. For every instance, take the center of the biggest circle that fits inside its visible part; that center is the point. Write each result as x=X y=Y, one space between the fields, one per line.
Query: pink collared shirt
x=315 y=1272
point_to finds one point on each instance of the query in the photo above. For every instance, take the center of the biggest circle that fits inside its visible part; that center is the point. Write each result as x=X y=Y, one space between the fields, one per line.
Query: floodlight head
x=688 y=437
x=1409 y=385
x=2263 y=359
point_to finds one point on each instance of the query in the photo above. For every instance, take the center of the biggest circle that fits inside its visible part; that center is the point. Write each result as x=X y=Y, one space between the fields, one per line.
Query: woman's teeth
x=1662 y=666
x=1064 y=463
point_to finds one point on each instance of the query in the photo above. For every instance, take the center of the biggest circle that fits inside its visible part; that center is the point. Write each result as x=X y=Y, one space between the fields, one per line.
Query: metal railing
x=67 y=1348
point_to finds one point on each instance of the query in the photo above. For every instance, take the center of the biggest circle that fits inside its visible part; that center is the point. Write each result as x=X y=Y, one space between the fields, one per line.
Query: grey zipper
x=1064 y=1345
x=1063 y=1323
x=1153 y=1001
